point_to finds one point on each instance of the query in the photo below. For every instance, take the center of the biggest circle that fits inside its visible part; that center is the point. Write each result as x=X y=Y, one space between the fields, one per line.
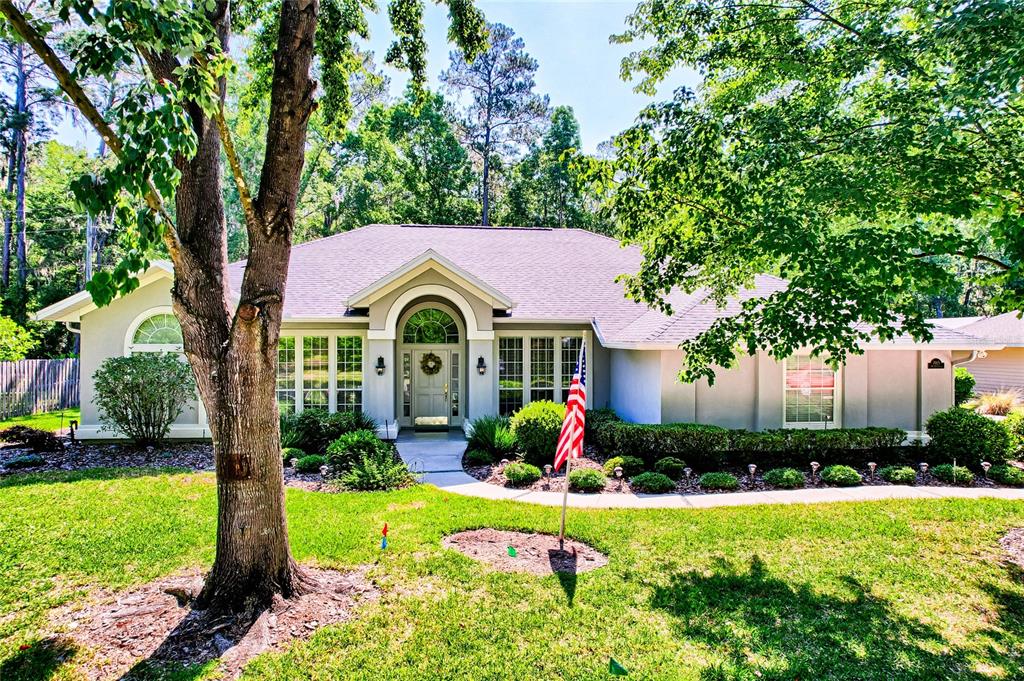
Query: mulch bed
x=536 y=554
x=493 y=474
x=153 y=623
x=1013 y=543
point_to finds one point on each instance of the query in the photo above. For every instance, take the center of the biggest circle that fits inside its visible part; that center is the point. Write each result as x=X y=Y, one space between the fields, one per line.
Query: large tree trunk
x=5 y=258
x=486 y=179
x=16 y=169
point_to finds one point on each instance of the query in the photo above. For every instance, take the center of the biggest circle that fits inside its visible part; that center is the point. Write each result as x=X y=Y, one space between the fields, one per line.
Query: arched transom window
x=157 y=333
x=431 y=326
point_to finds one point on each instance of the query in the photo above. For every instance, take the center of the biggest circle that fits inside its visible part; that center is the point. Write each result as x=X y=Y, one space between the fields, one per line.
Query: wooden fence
x=34 y=385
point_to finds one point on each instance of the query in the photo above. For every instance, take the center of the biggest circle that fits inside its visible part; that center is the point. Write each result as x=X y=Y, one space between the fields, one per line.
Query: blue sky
x=578 y=67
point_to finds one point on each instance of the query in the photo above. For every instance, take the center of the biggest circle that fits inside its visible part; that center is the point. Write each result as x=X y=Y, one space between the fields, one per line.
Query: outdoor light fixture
x=985 y=465
x=481 y=365
x=752 y=468
x=547 y=470
x=924 y=468
x=871 y=467
x=380 y=366
x=814 y=469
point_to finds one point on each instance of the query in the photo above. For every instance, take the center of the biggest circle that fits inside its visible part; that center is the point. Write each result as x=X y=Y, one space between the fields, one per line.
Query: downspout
x=72 y=329
x=975 y=354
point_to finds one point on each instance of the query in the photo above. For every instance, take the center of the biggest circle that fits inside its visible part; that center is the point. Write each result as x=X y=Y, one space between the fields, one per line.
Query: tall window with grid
x=810 y=392
x=286 y=374
x=542 y=369
x=570 y=354
x=315 y=372
x=510 y=375
x=350 y=373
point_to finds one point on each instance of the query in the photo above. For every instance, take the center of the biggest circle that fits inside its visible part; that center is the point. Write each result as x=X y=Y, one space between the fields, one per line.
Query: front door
x=432 y=372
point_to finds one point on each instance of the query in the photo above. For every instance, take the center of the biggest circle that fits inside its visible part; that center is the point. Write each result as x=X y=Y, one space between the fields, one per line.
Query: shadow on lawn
x=793 y=632
x=54 y=477
x=37 y=661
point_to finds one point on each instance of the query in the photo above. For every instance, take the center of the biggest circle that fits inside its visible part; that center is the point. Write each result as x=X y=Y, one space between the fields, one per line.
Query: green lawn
x=885 y=590
x=50 y=420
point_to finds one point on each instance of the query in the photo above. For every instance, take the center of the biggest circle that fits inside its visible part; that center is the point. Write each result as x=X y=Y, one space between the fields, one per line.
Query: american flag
x=570 y=441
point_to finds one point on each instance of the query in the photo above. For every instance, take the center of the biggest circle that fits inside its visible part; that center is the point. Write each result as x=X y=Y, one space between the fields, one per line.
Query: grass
x=884 y=590
x=50 y=420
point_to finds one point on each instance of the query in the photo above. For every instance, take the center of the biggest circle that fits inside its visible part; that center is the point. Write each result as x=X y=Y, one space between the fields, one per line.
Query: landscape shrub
x=1014 y=424
x=478 y=457
x=593 y=430
x=963 y=385
x=536 y=428
x=670 y=466
x=966 y=437
x=344 y=452
x=652 y=483
x=290 y=437
x=380 y=470
x=315 y=429
x=289 y=453
x=35 y=439
x=718 y=481
x=956 y=475
x=586 y=480
x=25 y=461
x=840 y=476
x=310 y=464
x=703 y=445
x=631 y=465
x=1007 y=475
x=785 y=478
x=797 y=447
x=998 y=404
x=520 y=474
x=493 y=435
x=140 y=395
x=898 y=475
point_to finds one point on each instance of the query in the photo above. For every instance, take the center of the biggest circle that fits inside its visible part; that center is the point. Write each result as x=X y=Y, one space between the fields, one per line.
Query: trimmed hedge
x=1014 y=424
x=594 y=425
x=536 y=428
x=631 y=465
x=586 y=480
x=310 y=464
x=841 y=476
x=521 y=474
x=966 y=437
x=289 y=453
x=963 y=385
x=718 y=481
x=785 y=478
x=703 y=446
x=670 y=466
x=898 y=475
x=1007 y=475
x=652 y=483
x=957 y=475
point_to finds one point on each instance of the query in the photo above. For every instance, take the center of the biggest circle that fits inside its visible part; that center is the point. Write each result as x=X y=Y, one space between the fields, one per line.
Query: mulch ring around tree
x=1013 y=543
x=153 y=626
x=536 y=554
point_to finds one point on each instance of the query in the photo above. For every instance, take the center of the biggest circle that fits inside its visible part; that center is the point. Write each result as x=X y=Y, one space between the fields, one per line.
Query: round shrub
x=310 y=464
x=521 y=474
x=631 y=465
x=381 y=470
x=785 y=478
x=1007 y=475
x=344 y=452
x=586 y=480
x=840 y=476
x=963 y=385
x=536 y=427
x=955 y=475
x=289 y=453
x=1014 y=424
x=718 y=481
x=670 y=466
x=898 y=475
x=653 y=483
x=969 y=438
x=478 y=457
x=140 y=395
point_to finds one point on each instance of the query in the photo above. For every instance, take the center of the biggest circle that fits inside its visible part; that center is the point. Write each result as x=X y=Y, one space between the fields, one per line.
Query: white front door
x=432 y=372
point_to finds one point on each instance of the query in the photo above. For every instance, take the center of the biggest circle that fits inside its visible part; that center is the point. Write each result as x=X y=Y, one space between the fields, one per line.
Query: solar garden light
x=871 y=469
x=814 y=469
x=687 y=472
x=751 y=468
x=924 y=468
x=294 y=462
x=618 y=475
x=323 y=471
x=547 y=471
x=985 y=465
x=504 y=462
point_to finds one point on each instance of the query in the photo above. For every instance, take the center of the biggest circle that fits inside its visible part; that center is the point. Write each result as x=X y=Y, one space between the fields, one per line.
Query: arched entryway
x=430 y=355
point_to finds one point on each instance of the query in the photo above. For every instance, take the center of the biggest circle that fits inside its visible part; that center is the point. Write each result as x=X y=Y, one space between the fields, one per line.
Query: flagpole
x=565 y=502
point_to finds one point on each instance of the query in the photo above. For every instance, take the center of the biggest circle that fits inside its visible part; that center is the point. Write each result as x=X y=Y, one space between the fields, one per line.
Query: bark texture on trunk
x=16 y=176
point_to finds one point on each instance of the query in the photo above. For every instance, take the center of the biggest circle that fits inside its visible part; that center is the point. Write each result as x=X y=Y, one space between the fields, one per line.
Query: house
x=995 y=370
x=428 y=326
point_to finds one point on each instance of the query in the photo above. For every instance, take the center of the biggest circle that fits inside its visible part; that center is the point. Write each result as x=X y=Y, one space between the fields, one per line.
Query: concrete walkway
x=438 y=456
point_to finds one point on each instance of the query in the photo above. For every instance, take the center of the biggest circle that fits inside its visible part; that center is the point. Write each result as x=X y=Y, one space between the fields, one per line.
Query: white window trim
x=332 y=355
x=558 y=335
x=130 y=346
x=837 y=404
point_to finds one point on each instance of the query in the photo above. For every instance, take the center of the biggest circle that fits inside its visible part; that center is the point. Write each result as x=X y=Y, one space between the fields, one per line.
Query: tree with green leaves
x=842 y=146
x=503 y=111
x=15 y=341
x=166 y=138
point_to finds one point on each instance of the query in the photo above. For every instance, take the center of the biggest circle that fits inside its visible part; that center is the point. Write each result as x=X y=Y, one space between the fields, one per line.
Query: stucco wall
x=636 y=385
x=892 y=400
x=379 y=309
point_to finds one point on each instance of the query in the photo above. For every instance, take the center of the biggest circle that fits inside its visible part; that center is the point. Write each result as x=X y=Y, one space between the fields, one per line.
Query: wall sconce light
x=380 y=366
x=481 y=365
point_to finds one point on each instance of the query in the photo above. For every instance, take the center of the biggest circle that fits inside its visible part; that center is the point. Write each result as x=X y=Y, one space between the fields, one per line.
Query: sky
x=578 y=67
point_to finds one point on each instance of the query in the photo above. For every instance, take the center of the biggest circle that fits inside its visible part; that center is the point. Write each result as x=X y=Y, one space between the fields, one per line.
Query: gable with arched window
x=155 y=330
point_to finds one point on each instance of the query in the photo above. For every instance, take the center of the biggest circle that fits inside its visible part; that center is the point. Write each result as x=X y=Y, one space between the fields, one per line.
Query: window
x=315 y=372
x=350 y=373
x=286 y=374
x=157 y=333
x=810 y=392
x=455 y=383
x=510 y=375
x=406 y=384
x=542 y=369
x=431 y=326
x=570 y=355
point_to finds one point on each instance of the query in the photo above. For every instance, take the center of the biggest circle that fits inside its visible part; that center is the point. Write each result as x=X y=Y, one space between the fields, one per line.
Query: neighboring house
x=425 y=326
x=994 y=370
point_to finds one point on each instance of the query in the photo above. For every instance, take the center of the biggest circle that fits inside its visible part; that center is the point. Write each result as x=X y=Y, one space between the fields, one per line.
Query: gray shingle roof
x=551 y=274
x=1006 y=328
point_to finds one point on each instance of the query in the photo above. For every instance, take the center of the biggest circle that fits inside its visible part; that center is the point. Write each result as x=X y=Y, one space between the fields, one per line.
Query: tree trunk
x=93 y=243
x=21 y=110
x=487 y=179
x=5 y=259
